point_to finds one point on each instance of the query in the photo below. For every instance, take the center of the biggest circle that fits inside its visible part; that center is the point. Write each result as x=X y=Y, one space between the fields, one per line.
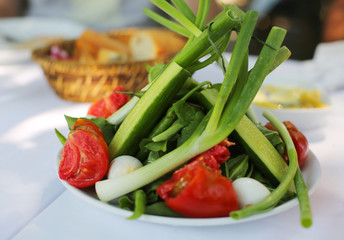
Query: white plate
x=310 y=171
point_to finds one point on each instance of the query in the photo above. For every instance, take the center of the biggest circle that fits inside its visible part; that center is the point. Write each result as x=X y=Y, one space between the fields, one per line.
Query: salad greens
x=174 y=118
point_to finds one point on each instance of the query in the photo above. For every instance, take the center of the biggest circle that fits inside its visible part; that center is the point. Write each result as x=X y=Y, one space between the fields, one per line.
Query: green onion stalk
x=218 y=122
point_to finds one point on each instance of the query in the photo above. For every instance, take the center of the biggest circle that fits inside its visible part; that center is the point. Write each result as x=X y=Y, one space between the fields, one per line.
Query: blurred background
x=308 y=22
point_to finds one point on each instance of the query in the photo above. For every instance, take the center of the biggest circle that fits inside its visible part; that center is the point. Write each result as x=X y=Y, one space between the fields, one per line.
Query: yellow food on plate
x=280 y=97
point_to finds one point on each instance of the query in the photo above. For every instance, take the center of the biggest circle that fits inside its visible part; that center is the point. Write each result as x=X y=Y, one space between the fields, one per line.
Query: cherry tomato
x=108 y=105
x=198 y=190
x=299 y=140
x=85 y=155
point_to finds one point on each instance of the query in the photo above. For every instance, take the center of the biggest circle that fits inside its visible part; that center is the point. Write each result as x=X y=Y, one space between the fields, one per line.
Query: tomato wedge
x=105 y=107
x=198 y=190
x=299 y=140
x=85 y=155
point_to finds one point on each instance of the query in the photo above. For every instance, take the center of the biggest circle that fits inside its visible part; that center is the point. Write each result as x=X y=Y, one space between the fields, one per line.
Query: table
x=35 y=205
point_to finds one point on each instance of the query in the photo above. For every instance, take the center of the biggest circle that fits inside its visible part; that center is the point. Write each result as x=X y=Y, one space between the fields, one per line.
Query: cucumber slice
x=147 y=111
x=264 y=156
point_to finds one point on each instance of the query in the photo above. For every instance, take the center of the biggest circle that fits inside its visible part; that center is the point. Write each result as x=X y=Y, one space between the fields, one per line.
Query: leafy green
x=238 y=167
x=60 y=137
x=154 y=71
x=139 y=197
x=161 y=209
x=273 y=137
x=107 y=128
x=157 y=146
x=126 y=202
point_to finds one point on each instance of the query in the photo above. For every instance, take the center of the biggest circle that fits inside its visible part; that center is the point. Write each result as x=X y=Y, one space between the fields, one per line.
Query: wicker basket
x=88 y=82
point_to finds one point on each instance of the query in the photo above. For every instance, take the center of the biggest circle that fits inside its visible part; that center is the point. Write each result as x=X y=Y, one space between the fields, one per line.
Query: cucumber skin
x=147 y=111
x=265 y=157
x=262 y=153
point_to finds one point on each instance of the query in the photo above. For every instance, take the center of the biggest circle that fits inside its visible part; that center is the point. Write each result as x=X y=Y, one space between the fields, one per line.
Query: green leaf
x=273 y=137
x=70 y=121
x=60 y=137
x=107 y=128
x=185 y=112
x=157 y=146
x=154 y=71
x=139 y=197
x=126 y=203
x=260 y=178
x=238 y=166
x=188 y=130
x=150 y=189
x=152 y=156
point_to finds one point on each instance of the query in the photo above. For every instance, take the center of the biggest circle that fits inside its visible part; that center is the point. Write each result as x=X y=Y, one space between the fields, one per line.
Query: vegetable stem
x=167 y=23
x=184 y=9
x=194 y=50
x=176 y=15
x=202 y=13
x=140 y=204
x=231 y=75
x=303 y=197
x=171 y=131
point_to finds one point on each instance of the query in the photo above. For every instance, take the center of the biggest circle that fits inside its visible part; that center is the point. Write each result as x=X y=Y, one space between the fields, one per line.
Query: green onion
x=303 y=197
x=178 y=16
x=184 y=9
x=233 y=70
x=140 y=204
x=202 y=13
x=167 y=23
x=231 y=115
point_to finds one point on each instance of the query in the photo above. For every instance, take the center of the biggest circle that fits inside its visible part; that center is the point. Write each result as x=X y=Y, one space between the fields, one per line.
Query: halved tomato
x=85 y=155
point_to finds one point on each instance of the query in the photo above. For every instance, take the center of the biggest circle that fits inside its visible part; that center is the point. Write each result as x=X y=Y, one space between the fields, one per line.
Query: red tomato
x=108 y=105
x=299 y=140
x=85 y=155
x=220 y=151
x=198 y=190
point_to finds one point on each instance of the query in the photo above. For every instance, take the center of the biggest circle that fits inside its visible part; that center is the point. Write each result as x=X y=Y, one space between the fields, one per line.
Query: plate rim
x=312 y=162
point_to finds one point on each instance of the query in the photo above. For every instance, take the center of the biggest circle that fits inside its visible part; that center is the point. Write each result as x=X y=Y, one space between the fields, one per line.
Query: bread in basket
x=88 y=81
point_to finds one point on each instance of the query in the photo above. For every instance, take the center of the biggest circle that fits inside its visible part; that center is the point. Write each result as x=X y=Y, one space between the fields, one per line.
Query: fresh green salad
x=181 y=148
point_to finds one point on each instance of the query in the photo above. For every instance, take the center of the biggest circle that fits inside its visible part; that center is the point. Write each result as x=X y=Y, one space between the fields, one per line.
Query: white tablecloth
x=35 y=205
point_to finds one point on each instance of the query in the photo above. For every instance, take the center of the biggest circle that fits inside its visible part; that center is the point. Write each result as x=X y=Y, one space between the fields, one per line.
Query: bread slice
x=94 y=43
x=148 y=44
